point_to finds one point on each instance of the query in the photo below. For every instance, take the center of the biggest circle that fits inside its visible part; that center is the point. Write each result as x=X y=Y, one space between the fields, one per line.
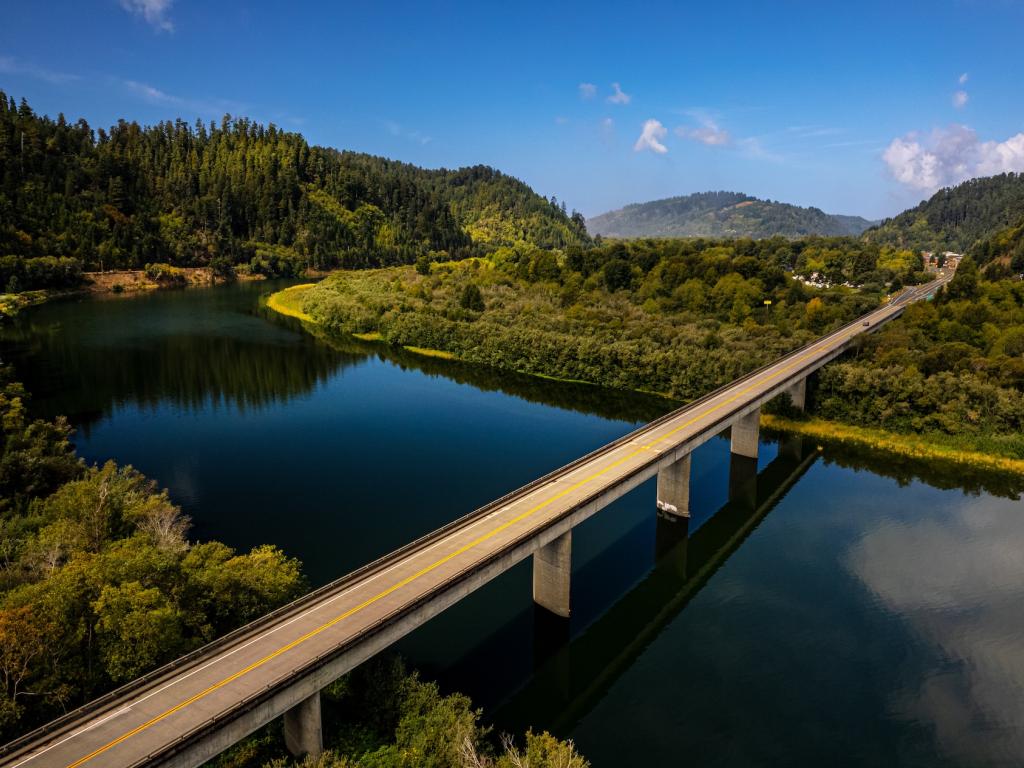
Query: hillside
x=239 y=192
x=721 y=214
x=957 y=218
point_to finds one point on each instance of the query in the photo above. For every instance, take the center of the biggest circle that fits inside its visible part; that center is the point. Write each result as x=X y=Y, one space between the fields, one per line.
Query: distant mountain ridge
x=722 y=214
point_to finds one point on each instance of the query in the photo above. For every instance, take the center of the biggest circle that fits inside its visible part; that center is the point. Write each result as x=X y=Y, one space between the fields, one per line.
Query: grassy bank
x=289 y=302
x=910 y=445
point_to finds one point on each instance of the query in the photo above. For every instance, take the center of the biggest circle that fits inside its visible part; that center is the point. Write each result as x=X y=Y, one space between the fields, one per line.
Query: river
x=835 y=609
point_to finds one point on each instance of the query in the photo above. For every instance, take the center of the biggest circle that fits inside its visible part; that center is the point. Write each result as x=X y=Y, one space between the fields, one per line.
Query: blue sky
x=852 y=107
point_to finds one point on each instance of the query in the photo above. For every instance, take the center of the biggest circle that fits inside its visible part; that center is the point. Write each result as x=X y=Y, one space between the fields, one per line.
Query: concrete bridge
x=192 y=709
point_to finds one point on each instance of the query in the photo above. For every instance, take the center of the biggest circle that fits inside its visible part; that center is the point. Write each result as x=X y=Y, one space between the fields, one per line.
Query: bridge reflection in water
x=573 y=674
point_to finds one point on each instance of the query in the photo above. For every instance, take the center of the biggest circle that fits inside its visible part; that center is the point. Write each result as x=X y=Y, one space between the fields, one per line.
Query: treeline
x=677 y=317
x=240 y=193
x=98 y=580
x=952 y=368
x=956 y=218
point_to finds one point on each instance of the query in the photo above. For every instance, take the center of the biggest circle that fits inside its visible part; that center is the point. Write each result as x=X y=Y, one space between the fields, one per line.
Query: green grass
x=289 y=301
x=427 y=352
x=910 y=445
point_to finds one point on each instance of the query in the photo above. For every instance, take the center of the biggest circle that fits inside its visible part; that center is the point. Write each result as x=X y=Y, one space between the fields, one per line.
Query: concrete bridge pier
x=745 y=432
x=674 y=488
x=552 y=565
x=798 y=394
x=303 y=734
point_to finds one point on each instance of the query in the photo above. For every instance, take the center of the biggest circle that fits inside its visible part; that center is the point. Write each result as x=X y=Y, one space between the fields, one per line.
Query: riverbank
x=907 y=445
x=289 y=302
x=913 y=446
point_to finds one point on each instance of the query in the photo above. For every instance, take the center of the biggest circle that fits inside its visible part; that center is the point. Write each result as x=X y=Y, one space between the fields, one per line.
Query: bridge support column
x=798 y=394
x=302 y=732
x=552 y=565
x=745 y=431
x=674 y=488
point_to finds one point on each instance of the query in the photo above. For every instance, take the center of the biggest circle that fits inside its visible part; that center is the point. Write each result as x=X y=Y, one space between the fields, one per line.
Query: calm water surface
x=822 y=608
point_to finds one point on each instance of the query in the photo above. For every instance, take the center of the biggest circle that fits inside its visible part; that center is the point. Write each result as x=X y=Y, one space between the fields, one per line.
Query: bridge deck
x=152 y=718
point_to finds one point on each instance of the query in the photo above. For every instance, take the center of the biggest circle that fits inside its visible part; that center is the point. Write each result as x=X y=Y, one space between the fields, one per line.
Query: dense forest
x=722 y=214
x=957 y=218
x=239 y=193
x=677 y=317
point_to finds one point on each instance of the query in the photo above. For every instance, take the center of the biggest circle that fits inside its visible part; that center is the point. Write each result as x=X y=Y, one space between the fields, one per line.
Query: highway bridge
x=192 y=709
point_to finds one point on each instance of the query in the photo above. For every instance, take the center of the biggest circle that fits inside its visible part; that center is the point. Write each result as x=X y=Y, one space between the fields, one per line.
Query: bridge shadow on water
x=536 y=669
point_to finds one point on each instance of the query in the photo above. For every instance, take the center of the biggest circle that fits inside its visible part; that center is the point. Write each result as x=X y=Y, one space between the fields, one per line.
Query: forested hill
x=722 y=214
x=957 y=218
x=241 y=192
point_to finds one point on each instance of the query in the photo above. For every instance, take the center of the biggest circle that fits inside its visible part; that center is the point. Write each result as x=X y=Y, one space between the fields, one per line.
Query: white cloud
x=400 y=131
x=708 y=133
x=650 y=138
x=587 y=90
x=962 y=79
x=202 y=107
x=960 y=99
x=151 y=94
x=950 y=156
x=153 y=11
x=961 y=596
x=11 y=66
x=618 y=96
x=607 y=123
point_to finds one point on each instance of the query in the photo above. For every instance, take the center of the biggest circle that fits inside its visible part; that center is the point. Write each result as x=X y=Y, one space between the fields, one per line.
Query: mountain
x=721 y=214
x=957 y=218
x=240 y=192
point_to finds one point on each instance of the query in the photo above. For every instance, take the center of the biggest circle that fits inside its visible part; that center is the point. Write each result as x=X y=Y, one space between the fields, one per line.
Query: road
x=128 y=728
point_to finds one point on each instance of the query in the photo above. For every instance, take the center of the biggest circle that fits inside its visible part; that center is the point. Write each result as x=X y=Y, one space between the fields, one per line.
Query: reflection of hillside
x=579 y=673
x=572 y=396
x=190 y=369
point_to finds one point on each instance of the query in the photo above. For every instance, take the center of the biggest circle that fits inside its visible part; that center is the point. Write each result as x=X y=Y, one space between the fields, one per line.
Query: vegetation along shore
x=680 y=318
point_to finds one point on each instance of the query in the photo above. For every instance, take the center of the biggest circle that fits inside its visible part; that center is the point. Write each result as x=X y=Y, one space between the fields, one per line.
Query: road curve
x=150 y=719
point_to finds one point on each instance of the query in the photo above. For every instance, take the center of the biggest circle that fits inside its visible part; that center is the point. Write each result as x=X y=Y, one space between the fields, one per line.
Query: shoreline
x=909 y=446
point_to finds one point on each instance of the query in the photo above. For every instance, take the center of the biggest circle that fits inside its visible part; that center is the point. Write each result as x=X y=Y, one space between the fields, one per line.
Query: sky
x=858 y=108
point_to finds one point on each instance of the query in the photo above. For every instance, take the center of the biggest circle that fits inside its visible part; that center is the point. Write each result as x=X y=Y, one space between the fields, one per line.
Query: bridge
x=192 y=709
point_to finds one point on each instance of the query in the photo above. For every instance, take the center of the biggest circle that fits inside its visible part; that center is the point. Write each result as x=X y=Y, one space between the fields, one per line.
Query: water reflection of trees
x=189 y=369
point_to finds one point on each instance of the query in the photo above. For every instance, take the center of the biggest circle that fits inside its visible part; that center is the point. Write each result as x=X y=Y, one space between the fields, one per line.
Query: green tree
x=471 y=298
x=136 y=628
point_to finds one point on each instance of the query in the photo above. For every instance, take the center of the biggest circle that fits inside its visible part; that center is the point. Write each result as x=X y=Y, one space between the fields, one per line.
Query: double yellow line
x=447 y=558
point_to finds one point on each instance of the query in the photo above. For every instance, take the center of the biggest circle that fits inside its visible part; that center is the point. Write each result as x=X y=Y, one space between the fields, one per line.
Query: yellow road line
x=434 y=566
